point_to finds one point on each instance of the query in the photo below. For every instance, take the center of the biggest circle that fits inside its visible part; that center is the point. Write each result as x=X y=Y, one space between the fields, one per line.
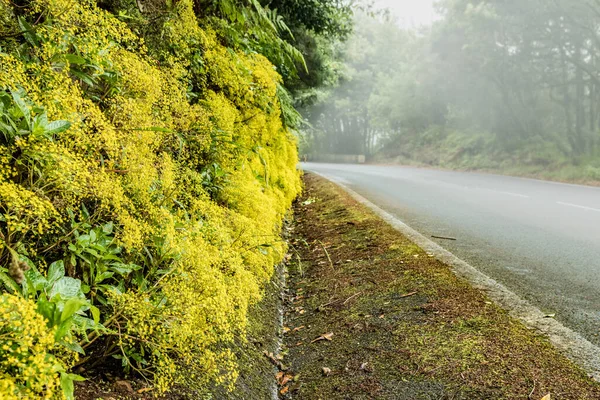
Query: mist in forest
x=499 y=85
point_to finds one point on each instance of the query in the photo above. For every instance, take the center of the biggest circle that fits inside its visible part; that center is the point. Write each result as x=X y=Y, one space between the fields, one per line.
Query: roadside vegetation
x=501 y=86
x=371 y=316
x=147 y=160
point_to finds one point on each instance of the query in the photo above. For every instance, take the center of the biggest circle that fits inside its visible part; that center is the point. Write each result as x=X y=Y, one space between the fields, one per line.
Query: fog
x=511 y=86
x=409 y=13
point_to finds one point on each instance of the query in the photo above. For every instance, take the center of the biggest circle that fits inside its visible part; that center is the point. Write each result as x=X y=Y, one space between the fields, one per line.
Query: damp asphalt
x=540 y=239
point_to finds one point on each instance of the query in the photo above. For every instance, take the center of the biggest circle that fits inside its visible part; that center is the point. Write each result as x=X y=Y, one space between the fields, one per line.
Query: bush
x=157 y=176
x=27 y=369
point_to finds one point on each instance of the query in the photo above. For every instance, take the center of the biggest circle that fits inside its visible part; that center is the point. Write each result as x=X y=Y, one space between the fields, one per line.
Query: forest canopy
x=500 y=85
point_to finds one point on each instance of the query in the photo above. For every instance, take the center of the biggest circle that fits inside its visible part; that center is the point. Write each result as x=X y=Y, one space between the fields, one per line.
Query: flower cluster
x=27 y=370
x=177 y=141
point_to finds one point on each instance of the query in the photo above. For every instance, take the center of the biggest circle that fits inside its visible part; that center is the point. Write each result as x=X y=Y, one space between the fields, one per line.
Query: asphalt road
x=540 y=239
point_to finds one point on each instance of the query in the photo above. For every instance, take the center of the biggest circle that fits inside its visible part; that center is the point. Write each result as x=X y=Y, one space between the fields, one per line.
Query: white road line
x=578 y=206
x=510 y=194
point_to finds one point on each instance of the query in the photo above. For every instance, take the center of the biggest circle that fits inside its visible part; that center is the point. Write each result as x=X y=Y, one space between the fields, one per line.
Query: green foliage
x=19 y=119
x=145 y=170
x=251 y=26
x=59 y=300
x=29 y=370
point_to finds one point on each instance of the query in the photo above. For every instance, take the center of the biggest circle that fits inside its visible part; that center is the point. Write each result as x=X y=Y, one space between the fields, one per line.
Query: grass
x=404 y=326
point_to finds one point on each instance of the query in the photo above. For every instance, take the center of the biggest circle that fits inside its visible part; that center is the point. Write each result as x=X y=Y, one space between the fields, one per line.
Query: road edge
x=572 y=344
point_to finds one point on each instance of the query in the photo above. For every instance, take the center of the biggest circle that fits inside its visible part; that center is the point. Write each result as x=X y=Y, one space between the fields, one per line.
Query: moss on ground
x=404 y=326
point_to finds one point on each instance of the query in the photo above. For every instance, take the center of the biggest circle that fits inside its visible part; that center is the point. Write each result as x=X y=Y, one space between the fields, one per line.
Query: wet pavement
x=540 y=239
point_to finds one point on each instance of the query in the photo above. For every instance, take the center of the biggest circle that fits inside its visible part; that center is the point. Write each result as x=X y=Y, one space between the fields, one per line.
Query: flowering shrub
x=27 y=368
x=156 y=168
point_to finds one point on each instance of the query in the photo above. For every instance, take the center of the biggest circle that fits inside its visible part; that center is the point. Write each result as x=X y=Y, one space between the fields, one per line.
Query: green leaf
x=111 y=257
x=36 y=281
x=22 y=106
x=95 y=314
x=66 y=287
x=66 y=383
x=56 y=127
x=28 y=32
x=125 y=269
x=86 y=78
x=103 y=276
x=75 y=59
x=46 y=309
x=63 y=329
x=56 y=271
x=91 y=251
x=71 y=307
x=5 y=100
x=108 y=228
x=74 y=346
x=9 y=283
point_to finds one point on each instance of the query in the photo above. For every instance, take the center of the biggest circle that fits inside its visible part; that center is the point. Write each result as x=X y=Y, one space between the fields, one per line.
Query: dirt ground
x=369 y=315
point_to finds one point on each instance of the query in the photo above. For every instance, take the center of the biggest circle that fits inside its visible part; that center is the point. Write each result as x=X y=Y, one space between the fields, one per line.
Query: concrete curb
x=572 y=344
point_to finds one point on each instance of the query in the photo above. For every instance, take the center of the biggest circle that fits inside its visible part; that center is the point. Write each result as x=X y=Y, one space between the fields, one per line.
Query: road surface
x=540 y=239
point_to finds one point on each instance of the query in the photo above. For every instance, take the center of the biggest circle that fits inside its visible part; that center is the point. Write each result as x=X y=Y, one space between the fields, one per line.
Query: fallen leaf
x=276 y=360
x=286 y=379
x=144 y=390
x=299 y=328
x=546 y=397
x=326 y=336
x=286 y=329
x=326 y=371
x=408 y=295
x=125 y=385
x=284 y=390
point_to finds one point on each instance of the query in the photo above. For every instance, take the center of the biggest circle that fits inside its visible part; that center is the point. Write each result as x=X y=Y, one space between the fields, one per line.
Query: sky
x=411 y=13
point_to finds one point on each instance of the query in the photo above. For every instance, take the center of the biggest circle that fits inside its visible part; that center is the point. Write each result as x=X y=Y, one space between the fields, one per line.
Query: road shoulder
x=371 y=315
